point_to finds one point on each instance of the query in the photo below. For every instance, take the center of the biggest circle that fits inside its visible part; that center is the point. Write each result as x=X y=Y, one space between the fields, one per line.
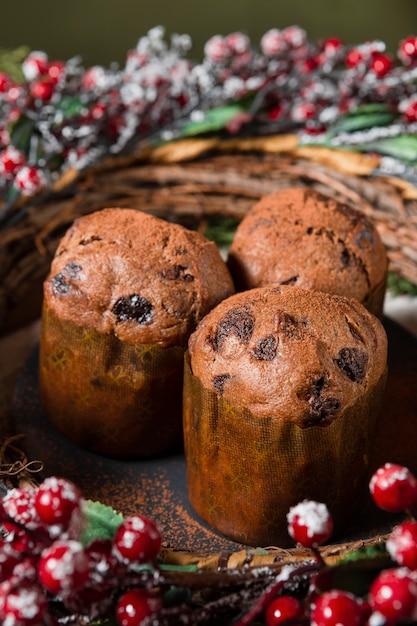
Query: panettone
x=299 y=236
x=282 y=393
x=124 y=293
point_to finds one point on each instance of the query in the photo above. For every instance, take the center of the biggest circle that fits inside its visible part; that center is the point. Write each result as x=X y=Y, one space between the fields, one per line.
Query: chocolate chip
x=219 y=382
x=320 y=409
x=72 y=269
x=60 y=284
x=133 y=307
x=176 y=272
x=238 y=322
x=266 y=349
x=85 y=242
x=290 y=281
x=289 y=325
x=345 y=257
x=352 y=362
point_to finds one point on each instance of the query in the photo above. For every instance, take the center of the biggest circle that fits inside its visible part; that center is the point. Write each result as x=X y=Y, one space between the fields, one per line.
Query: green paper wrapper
x=244 y=473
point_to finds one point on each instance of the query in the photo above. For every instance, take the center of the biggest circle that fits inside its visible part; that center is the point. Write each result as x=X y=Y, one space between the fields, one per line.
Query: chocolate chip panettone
x=282 y=394
x=124 y=293
x=301 y=237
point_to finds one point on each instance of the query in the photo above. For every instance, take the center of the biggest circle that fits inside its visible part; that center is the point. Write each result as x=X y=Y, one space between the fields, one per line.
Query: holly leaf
x=70 y=106
x=362 y=120
x=102 y=522
x=11 y=62
x=21 y=133
x=403 y=147
x=214 y=120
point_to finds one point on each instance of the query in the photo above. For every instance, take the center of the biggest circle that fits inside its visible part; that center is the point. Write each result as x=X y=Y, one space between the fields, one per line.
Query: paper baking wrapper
x=108 y=396
x=244 y=473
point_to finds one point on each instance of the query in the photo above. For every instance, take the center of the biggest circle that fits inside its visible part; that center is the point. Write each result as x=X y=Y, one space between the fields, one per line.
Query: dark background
x=102 y=31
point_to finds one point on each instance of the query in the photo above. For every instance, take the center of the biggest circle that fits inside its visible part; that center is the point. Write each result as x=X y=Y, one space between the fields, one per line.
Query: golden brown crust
x=295 y=354
x=140 y=277
x=304 y=238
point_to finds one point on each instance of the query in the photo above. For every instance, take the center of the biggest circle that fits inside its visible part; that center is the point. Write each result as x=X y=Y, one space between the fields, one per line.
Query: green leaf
x=214 y=120
x=11 y=62
x=221 y=231
x=398 y=285
x=21 y=133
x=102 y=522
x=70 y=106
x=361 y=121
x=403 y=147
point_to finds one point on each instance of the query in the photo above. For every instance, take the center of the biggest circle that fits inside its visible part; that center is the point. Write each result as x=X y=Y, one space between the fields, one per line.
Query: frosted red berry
x=353 y=58
x=217 y=49
x=334 y=608
x=4 y=82
x=11 y=159
x=25 y=606
x=282 y=609
x=63 y=567
x=410 y=111
x=35 y=64
x=310 y=523
x=56 y=500
x=55 y=71
x=393 y=488
x=19 y=505
x=381 y=64
x=273 y=42
x=137 y=539
x=402 y=545
x=135 y=606
x=29 y=180
x=42 y=89
x=331 y=46
x=394 y=595
x=407 y=50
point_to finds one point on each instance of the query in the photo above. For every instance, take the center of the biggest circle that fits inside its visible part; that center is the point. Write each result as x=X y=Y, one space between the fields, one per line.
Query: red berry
x=273 y=42
x=94 y=77
x=36 y=63
x=407 y=51
x=402 y=544
x=410 y=111
x=282 y=609
x=217 y=49
x=19 y=504
x=303 y=111
x=393 y=488
x=135 y=606
x=331 y=46
x=63 y=567
x=295 y=36
x=310 y=523
x=238 y=43
x=335 y=608
x=11 y=159
x=353 y=58
x=381 y=64
x=24 y=606
x=8 y=559
x=137 y=539
x=4 y=82
x=42 y=89
x=55 y=71
x=56 y=500
x=29 y=180
x=394 y=594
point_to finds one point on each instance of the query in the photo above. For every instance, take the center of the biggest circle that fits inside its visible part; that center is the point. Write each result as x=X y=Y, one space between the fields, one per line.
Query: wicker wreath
x=197 y=183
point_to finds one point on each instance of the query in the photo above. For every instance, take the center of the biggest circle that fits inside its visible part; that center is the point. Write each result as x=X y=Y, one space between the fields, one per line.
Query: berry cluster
x=61 y=115
x=46 y=571
x=50 y=575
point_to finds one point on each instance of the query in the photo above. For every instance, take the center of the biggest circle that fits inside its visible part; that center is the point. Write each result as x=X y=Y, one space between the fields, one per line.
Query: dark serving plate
x=157 y=487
